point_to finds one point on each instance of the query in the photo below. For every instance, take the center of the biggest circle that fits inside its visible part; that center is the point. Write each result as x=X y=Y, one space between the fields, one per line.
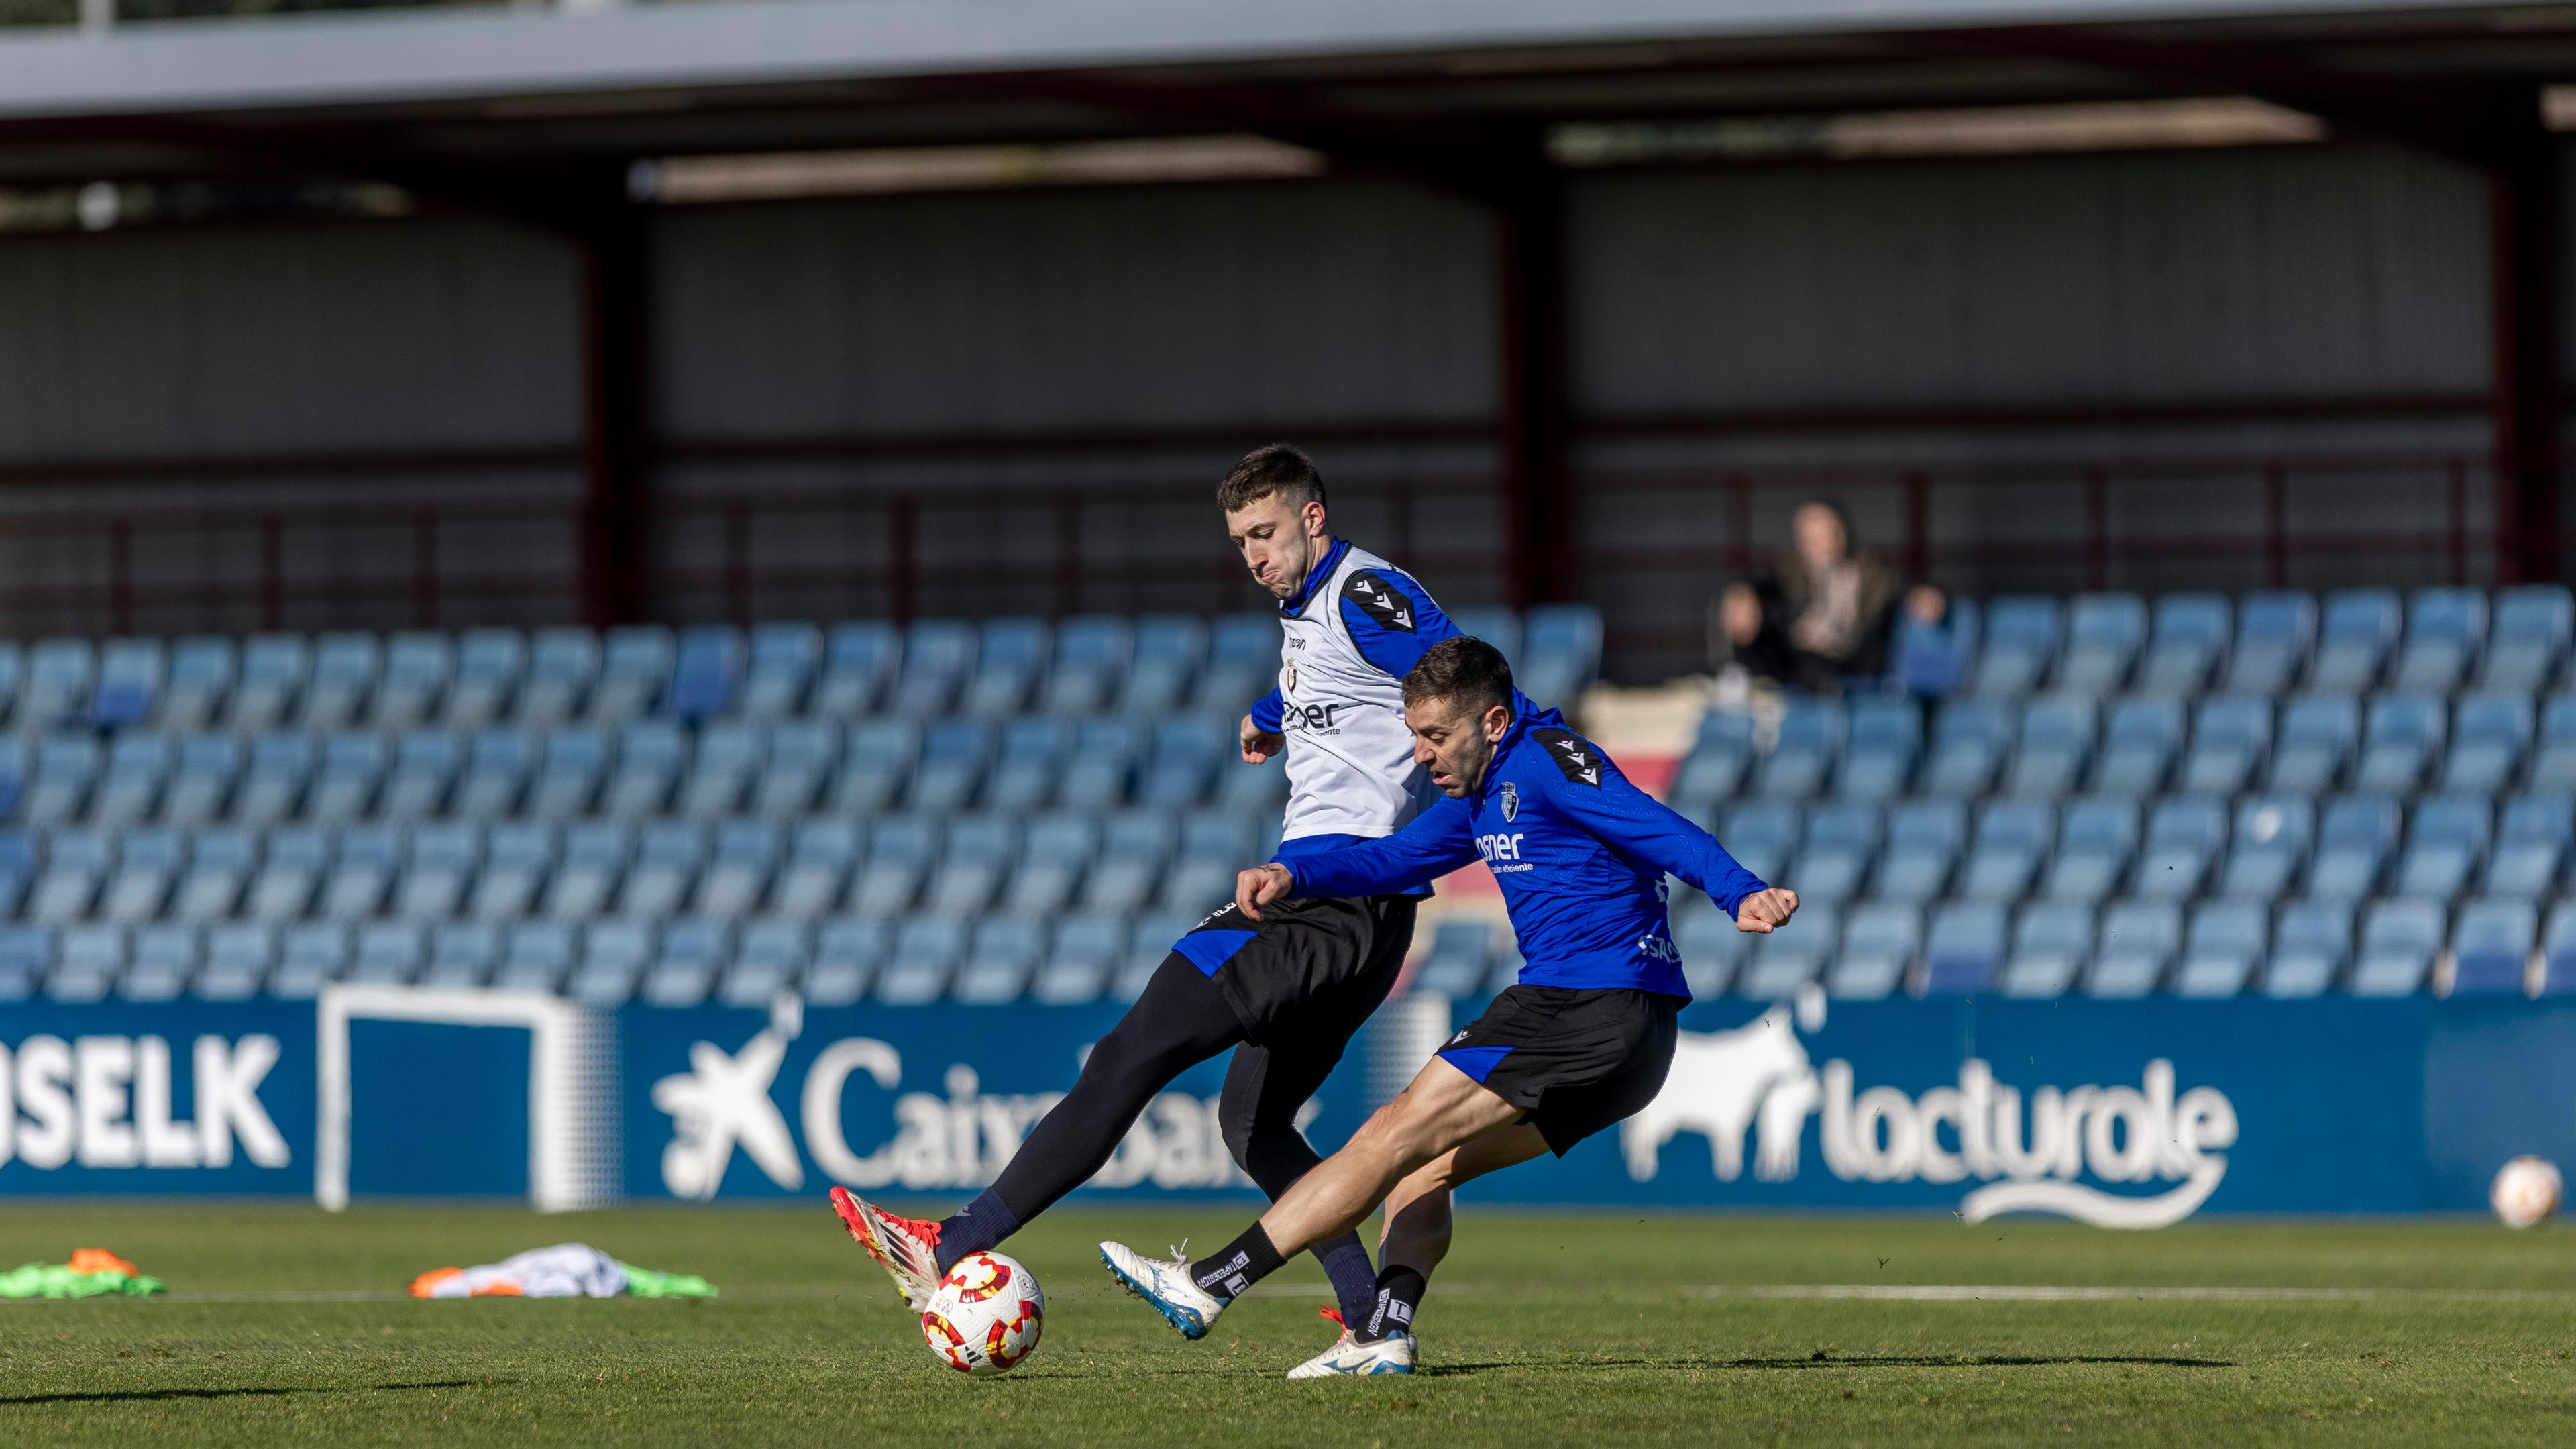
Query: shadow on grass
x=130 y=1396
x=1823 y=1361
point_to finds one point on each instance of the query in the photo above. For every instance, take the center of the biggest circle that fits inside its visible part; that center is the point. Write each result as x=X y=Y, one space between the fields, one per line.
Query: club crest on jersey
x=1511 y=802
x=1390 y=608
x=1579 y=761
x=1292 y=675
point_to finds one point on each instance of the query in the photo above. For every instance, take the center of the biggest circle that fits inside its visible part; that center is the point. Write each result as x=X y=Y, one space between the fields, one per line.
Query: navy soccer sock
x=978 y=1226
x=1354 y=1281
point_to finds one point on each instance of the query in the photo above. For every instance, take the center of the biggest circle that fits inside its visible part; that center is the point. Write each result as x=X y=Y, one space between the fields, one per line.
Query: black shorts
x=1574 y=1062
x=1306 y=967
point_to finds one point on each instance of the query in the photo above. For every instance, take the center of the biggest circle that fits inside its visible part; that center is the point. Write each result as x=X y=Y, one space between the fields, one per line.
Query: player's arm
x=1440 y=840
x=1391 y=618
x=1637 y=825
x=1260 y=731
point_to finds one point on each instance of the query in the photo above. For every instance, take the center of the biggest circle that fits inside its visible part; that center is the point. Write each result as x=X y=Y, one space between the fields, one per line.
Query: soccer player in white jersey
x=1285 y=989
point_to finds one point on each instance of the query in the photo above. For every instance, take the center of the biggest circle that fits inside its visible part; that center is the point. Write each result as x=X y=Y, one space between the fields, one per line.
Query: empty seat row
x=1087 y=665
x=1066 y=959
x=634 y=771
x=884 y=867
x=2059 y=744
x=2437 y=639
x=2134 y=947
x=2260 y=848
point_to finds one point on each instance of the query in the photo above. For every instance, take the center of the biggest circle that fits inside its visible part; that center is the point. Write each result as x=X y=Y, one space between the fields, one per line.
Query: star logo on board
x=720 y=1103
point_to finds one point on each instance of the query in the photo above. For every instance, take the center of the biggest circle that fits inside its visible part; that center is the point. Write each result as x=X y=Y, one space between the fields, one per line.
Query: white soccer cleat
x=1165 y=1284
x=1393 y=1354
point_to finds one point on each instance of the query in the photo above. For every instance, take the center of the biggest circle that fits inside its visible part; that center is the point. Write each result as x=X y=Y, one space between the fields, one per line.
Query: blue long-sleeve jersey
x=1580 y=853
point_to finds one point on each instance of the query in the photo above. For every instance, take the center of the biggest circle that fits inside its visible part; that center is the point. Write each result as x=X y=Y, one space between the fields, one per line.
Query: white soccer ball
x=2527 y=1192
x=986 y=1316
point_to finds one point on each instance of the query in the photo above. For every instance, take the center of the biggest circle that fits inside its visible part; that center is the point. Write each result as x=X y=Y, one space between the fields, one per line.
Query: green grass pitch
x=1598 y=1330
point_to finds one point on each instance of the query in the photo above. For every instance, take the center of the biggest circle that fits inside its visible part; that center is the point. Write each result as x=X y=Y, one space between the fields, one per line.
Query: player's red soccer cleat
x=907 y=1248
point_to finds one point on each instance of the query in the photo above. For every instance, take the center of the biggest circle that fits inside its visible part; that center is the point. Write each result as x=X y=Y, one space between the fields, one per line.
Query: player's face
x=1279 y=542
x=1454 y=743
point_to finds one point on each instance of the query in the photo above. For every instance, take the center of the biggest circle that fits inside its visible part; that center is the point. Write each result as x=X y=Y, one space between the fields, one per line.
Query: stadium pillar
x=616 y=424
x=1539 y=522
x=2523 y=299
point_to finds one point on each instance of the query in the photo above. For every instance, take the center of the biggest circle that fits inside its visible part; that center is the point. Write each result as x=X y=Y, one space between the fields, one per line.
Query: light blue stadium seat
x=489 y=665
x=13 y=677
x=425 y=765
x=821 y=857
x=614 y=958
x=1242 y=664
x=1715 y=767
x=75 y=864
x=389 y=953
x=345 y=670
x=1787 y=959
x=2138 y=747
x=594 y=860
x=2022 y=634
x=859 y=662
x=1058 y=853
x=1924 y=838
x=2529 y=639
x=1011 y=655
x=1091 y=654
x=1186 y=753
x=517 y=861
x=1810 y=738
x=87 y=963
x=1886 y=737
x=239 y=958
x=1498 y=627
x=2354 y=842
x=60 y=676
x=1029 y=763
x=129 y=683
x=878 y=757
x=569 y=773
x=2558 y=952
x=1969 y=740
x=2319 y=733
x=1713 y=951
x=444 y=859
x=2184 y=836
x=2311 y=948
x=1165 y=662
x=1880 y=942
x=651 y=753
x=901 y=852
x=692 y=952
x=2553 y=763
x=737 y=874
x=1002 y=958
x=563 y=669
x=18 y=862
x=1761 y=835
x=137 y=770
x=1149 y=943
x=148 y=863
x=780 y=673
x=2051 y=942
x=1102 y=770
x=1215 y=846
x=2490 y=732
x=2446 y=629
x=706 y=673
x=927 y=951
x=1964 y=950
x=1135 y=848
x=2230 y=736
x=2095 y=841
x=2138 y=944
x=220 y=865
x=1560 y=652
x=1842 y=841
x=954 y=755
x=26 y=959
x=635 y=663
x=2013 y=837
x=2104 y=634
x=2275 y=634
x=2531 y=844
x=2492 y=947
x=799 y=760
x=938 y=655
x=498 y=762
x=1929 y=660
x=2404 y=735
x=668 y=856
x=729 y=756
x=2355 y=636
x=769 y=959
x=1249 y=789
x=270 y=680
x=199 y=683
x=58 y=789
x=975 y=858
x=536 y=956
x=1085 y=950
x=345 y=786
x=290 y=875
x=2268 y=846
x=2399 y=940
x=462 y=955
x=2057 y=737
x=848 y=954
x=201 y=783
x=368 y=859
x=2225 y=944
x=166 y=960
x=309 y=957
x=1462 y=956
x=418 y=668
x=2446 y=842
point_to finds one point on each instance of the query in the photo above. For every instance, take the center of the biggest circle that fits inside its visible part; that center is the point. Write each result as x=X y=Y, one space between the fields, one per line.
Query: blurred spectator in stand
x=1822 y=614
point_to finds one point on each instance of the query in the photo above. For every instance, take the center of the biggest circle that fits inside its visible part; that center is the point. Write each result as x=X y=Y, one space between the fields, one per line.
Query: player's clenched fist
x=1763 y=911
x=1259 y=886
x=1259 y=744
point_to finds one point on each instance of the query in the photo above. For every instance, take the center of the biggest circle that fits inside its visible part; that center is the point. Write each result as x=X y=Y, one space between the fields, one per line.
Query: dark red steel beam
x=616 y=424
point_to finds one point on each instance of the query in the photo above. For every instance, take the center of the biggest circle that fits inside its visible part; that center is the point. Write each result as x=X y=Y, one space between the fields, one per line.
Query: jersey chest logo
x=1511 y=802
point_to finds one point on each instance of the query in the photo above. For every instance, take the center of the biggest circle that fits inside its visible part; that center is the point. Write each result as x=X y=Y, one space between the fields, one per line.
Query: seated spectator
x=1822 y=614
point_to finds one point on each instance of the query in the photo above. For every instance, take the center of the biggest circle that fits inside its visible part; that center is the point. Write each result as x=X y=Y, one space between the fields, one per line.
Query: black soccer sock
x=1238 y=1265
x=1399 y=1293
x=976 y=1227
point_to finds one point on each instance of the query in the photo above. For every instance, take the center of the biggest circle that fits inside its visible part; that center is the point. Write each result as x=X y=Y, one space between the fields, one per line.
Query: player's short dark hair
x=1464 y=670
x=1276 y=469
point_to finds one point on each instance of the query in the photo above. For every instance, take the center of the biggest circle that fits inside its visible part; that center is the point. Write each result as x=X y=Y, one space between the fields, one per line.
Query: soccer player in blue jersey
x=1283 y=988
x=1582 y=1041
